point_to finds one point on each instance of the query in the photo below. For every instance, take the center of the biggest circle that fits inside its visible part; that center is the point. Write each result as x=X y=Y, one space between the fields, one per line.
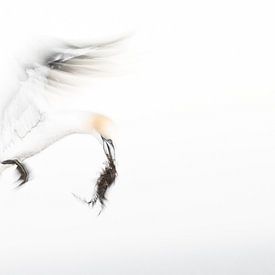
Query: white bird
x=29 y=123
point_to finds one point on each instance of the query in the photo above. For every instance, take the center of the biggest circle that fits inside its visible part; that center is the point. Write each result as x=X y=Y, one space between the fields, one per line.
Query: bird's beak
x=109 y=148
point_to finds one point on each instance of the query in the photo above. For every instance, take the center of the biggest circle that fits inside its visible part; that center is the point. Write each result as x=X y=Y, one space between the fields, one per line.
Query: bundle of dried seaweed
x=104 y=182
x=107 y=176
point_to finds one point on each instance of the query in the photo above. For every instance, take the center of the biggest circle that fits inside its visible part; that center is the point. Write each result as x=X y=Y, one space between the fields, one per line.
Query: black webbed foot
x=23 y=172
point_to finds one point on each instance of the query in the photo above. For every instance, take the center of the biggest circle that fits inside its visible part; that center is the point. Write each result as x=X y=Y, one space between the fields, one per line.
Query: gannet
x=29 y=124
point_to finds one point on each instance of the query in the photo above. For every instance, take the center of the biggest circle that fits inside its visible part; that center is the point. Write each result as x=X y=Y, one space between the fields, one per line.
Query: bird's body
x=30 y=124
x=52 y=127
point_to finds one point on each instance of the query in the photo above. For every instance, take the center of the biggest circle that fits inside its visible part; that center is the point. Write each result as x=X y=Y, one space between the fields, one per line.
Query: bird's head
x=102 y=125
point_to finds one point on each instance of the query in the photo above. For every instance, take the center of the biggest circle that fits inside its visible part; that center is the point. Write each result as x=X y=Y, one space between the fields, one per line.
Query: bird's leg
x=24 y=175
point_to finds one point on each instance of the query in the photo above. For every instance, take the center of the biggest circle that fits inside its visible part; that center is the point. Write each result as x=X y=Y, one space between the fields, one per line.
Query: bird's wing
x=71 y=62
x=27 y=108
x=24 y=111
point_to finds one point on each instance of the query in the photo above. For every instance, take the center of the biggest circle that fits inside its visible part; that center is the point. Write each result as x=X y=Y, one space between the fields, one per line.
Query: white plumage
x=29 y=123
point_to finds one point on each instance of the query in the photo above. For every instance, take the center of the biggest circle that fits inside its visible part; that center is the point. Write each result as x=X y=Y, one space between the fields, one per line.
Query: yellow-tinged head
x=102 y=125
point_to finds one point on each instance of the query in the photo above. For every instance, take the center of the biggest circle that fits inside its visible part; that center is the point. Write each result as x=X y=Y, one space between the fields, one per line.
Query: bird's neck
x=85 y=122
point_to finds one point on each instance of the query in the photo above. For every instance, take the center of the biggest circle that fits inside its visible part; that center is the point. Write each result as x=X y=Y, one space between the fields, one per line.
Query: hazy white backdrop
x=195 y=124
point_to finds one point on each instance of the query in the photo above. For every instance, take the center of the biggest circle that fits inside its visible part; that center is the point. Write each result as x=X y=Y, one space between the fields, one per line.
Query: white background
x=195 y=143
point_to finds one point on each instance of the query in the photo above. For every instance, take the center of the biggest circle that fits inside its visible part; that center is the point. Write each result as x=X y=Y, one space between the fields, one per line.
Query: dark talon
x=24 y=175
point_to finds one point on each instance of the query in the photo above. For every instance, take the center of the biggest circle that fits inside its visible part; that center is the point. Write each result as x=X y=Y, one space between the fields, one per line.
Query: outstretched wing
x=24 y=111
x=71 y=61
x=28 y=107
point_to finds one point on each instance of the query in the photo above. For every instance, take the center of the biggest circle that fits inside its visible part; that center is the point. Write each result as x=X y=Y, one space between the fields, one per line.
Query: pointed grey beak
x=109 y=148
